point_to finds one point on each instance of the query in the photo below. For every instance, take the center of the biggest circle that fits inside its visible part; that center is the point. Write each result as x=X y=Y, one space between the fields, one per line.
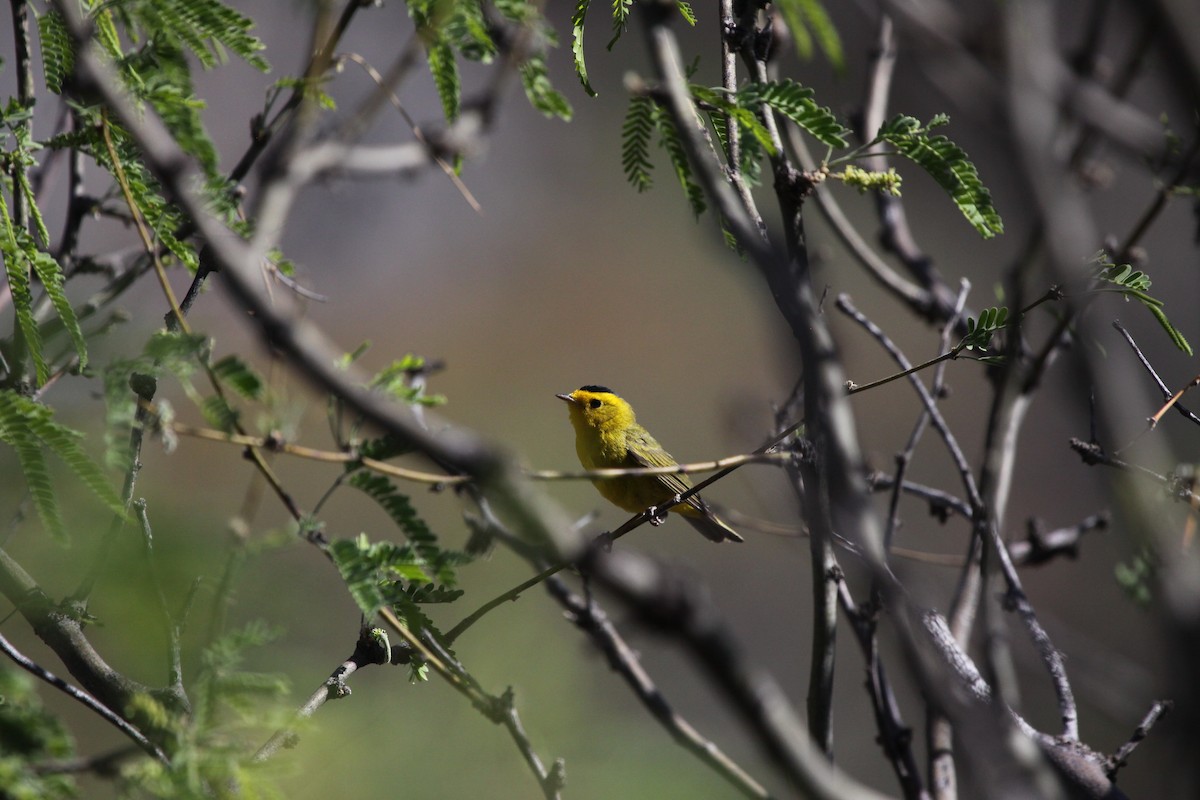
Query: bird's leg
x=657 y=515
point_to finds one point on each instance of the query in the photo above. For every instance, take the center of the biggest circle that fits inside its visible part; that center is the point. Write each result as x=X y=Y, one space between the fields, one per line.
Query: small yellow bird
x=608 y=436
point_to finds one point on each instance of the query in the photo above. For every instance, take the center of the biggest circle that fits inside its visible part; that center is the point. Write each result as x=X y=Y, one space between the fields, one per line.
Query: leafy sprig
x=1135 y=285
x=797 y=103
x=808 y=22
x=29 y=428
x=947 y=164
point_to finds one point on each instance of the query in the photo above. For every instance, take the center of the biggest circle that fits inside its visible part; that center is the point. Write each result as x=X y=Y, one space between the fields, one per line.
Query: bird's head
x=598 y=407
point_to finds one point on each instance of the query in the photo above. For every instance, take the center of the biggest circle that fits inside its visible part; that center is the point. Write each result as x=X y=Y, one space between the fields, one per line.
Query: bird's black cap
x=594 y=388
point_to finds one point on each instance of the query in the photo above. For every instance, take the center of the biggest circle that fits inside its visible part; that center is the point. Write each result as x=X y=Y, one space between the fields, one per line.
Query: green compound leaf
x=445 y=76
x=685 y=11
x=1135 y=285
x=542 y=95
x=577 y=21
x=205 y=27
x=37 y=475
x=437 y=562
x=384 y=447
x=635 y=143
x=58 y=54
x=980 y=330
x=808 y=20
x=796 y=103
x=621 y=9
x=947 y=164
x=51 y=276
x=668 y=139
x=383 y=573
x=219 y=414
x=29 y=429
x=240 y=376
x=747 y=120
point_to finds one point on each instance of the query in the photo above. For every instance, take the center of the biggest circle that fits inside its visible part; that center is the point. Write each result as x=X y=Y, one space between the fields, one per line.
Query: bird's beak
x=566 y=397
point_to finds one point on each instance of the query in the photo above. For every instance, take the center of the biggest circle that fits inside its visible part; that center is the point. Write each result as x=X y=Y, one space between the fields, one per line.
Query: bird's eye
x=594 y=403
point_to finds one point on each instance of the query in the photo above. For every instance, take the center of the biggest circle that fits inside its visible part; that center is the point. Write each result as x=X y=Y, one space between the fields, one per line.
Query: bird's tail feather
x=713 y=528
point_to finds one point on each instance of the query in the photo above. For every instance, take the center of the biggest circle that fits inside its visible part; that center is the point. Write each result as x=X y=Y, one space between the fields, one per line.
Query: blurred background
x=569 y=277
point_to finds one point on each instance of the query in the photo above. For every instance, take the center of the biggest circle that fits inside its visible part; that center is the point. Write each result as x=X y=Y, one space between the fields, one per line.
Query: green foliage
x=746 y=118
x=167 y=86
x=395 y=381
x=1137 y=575
x=219 y=414
x=668 y=139
x=1135 y=285
x=58 y=53
x=384 y=447
x=797 y=104
x=30 y=735
x=203 y=27
x=240 y=376
x=160 y=215
x=685 y=11
x=24 y=258
x=980 y=330
x=542 y=95
x=230 y=707
x=1123 y=276
x=29 y=429
x=947 y=164
x=444 y=68
x=16 y=268
x=620 y=19
x=635 y=142
x=467 y=29
x=165 y=353
x=53 y=283
x=385 y=574
x=808 y=20
x=577 y=21
x=400 y=510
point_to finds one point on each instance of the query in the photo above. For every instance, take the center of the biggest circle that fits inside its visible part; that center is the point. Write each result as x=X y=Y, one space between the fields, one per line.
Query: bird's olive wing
x=645 y=451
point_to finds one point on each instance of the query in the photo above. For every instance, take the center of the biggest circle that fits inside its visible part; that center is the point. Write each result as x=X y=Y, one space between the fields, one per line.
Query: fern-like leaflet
x=797 y=104
x=635 y=142
x=1135 y=284
x=29 y=429
x=947 y=164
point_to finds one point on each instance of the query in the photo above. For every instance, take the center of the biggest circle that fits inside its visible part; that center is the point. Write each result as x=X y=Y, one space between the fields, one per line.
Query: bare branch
x=83 y=697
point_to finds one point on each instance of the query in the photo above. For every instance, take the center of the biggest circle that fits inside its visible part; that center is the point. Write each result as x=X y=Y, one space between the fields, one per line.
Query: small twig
x=550 y=781
x=371 y=648
x=83 y=697
x=1117 y=760
x=935 y=416
x=418 y=134
x=147 y=242
x=1017 y=600
x=1162 y=387
x=510 y=596
x=591 y=619
x=1093 y=454
x=676 y=607
x=276 y=445
x=894 y=735
x=1172 y=400
x=170 y=627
